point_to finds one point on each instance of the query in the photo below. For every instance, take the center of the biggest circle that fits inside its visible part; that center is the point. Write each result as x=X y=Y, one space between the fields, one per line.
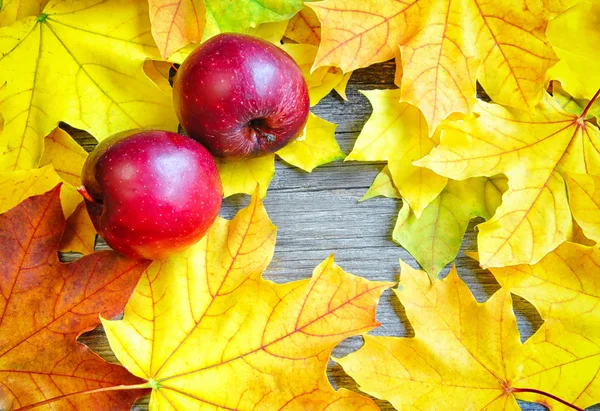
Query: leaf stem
x=589 y=105
x=76 y=394
x=546 y=394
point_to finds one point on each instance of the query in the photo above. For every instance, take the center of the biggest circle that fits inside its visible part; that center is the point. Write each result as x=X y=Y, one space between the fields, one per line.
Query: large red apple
x=151 y=193
x=240 y=96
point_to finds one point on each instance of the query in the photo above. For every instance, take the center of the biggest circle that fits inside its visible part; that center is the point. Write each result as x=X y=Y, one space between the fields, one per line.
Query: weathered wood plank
x=319 y=214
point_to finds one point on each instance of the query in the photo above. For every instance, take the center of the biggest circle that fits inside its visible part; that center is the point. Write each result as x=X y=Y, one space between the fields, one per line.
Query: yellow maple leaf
x=563 y=356
x=316 y=146
x=574 y=35
x=321 y=81
x=176 y=23
x=206 y=331
x=341 y=86
x=584 y=199
x=382 y=186
x=66 y=158
x=76 y=68
x=65 y=155
x=464 y=355
x=16 y=186
x=397 y=133
x=242 y=176
x=13 y=10
x=304 y=27
x=534 y=150
x=445 y=47
x=80 y=234
x=158 y=71
x=574 y=105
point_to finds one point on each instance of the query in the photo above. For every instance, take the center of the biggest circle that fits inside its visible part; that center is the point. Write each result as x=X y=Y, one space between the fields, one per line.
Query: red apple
x=240 y=96
x=151 y=193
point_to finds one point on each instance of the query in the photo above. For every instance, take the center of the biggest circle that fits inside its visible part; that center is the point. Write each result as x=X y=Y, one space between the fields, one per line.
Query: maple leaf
x=242 y=176
x=176 y=23
x=65 y=156
x=535 y=150
x=564 y=354
x=45 y=305
x=94 y=65
x=62 y=160
x=435 y=237
x=397 y=133
x=382 y=186
x=316 y=146
x=584 y=199
x=16 y=186
x=574 y=105
x=13 y=10
x=240 y=16
x=208 y=332
x=304 y=27
x=574 y=35
x=80 y=233
x=465 y=354
x=445 y=47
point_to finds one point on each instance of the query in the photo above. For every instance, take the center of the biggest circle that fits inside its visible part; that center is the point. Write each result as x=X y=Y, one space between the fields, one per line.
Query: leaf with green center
x=13 y=10
x=208 y=332
x=94 y=65
x=435 y=237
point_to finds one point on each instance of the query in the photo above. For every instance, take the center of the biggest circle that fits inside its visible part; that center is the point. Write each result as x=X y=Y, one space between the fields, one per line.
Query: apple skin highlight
x=241 y=96
x=154 y=193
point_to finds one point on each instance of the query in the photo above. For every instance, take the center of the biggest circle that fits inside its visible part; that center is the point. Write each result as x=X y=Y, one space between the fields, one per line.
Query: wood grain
x=318 y=214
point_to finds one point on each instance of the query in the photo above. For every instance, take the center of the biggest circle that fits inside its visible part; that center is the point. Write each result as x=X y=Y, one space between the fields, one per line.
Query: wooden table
x=318 y=214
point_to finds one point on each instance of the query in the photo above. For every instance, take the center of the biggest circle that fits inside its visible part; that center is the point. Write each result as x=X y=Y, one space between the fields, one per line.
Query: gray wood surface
x=319 y=214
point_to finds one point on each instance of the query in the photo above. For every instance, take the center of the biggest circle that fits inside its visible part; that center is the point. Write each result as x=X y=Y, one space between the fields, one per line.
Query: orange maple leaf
x=45 y=305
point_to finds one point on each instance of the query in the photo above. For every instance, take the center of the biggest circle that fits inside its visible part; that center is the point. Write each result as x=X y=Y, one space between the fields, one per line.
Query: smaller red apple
x=151 y=193
x=241 y=96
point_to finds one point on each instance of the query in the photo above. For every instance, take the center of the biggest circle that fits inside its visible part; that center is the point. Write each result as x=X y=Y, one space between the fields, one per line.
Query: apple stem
x=75 y=394
x=84 y=193
x=546 y=394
